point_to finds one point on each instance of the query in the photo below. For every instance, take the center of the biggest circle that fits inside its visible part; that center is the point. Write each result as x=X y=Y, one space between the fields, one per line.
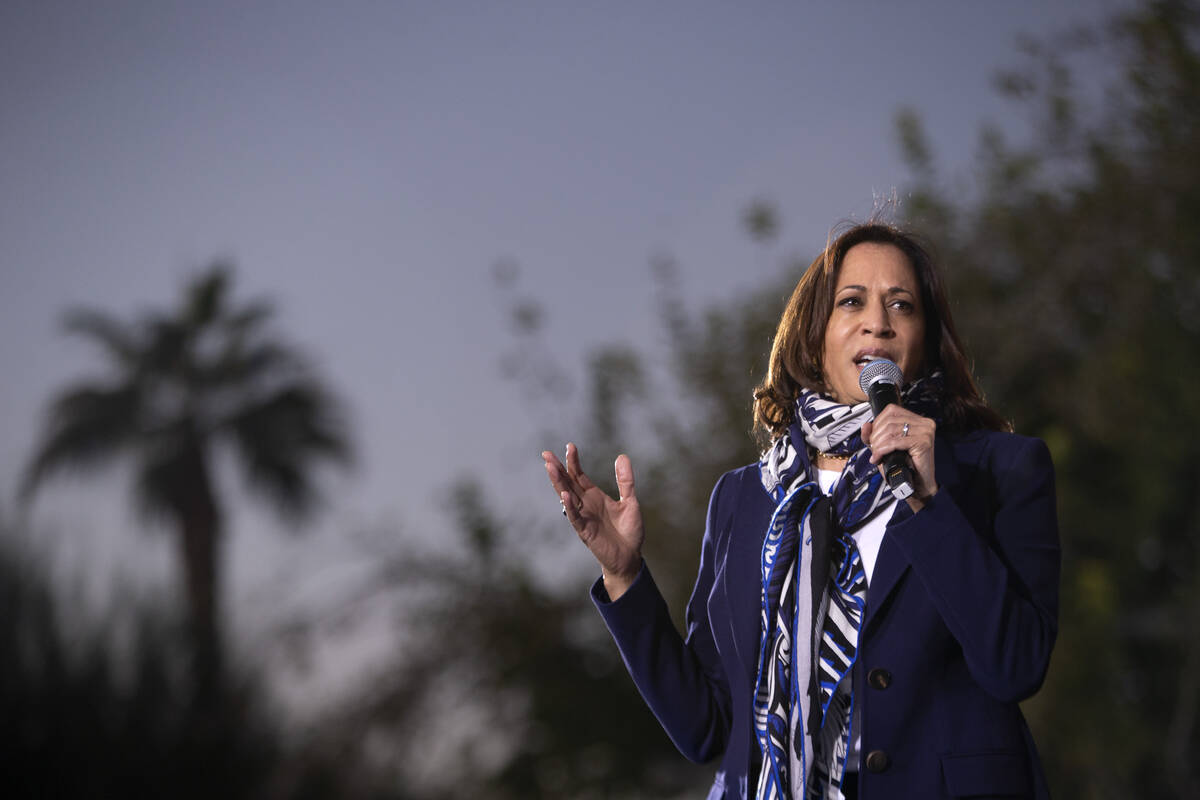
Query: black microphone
x=880 y=381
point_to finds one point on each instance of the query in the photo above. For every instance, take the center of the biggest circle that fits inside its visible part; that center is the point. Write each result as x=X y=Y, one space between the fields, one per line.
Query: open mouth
x=866 y=358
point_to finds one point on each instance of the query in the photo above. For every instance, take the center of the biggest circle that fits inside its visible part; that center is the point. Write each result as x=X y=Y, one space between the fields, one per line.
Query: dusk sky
x=366 y=165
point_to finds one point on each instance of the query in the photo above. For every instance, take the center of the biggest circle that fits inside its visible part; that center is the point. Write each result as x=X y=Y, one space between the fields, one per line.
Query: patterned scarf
x=814 y=592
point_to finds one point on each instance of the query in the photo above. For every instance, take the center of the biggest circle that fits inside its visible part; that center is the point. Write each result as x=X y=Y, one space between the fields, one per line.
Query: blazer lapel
x=890 y=564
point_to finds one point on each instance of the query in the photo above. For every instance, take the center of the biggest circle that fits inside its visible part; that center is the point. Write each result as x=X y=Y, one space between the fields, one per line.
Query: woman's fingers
x=570 y=479
x=624 y=471
x=575 y=489
x=575 y=470
x=561 y=481
x=897 y=428
x=611 y=529
x=571 y=508
x=555 y=471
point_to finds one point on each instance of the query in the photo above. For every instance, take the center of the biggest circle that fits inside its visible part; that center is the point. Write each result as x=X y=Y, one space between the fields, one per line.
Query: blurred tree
x=1077 y=271
x=761 y=221
x=181 y=386
x=101 y=709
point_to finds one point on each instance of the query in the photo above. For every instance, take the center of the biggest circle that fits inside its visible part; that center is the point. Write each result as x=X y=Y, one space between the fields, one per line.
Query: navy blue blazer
x=961 y=617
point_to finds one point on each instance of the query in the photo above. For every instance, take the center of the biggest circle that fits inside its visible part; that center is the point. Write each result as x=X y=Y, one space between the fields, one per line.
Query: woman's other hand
x=611 y=529
x=897 y=428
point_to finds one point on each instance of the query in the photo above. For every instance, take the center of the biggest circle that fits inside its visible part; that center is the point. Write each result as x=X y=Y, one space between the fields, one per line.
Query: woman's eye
x=902 y=305
x=848 y=301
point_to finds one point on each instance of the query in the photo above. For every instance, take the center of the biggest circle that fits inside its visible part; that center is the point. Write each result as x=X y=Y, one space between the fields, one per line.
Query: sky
x=367 y=164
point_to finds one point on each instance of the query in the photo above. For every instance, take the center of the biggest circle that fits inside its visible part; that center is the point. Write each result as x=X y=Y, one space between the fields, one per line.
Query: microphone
x=880 y=381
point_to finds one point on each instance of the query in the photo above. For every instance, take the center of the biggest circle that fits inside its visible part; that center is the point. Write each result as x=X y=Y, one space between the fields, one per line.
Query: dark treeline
x=108 y=711
x=1074 y=259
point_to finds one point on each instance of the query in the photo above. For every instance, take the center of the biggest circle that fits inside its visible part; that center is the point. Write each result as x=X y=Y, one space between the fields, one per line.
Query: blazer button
x=877 y=761
x=879 y=678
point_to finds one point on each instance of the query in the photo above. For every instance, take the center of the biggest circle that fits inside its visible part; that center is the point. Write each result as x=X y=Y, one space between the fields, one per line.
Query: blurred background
x=293 y=294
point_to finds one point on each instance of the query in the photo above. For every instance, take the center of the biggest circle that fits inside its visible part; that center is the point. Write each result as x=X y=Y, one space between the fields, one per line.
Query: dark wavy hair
x=800 y=338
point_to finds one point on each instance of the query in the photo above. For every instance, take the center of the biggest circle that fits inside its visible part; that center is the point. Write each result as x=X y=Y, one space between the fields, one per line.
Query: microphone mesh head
x=880 y=370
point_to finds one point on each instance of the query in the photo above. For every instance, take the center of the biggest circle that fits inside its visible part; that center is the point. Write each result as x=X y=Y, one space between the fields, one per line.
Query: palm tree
x=181 y=387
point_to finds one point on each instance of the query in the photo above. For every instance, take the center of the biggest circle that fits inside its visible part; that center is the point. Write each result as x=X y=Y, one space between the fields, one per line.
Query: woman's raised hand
x=611 y=529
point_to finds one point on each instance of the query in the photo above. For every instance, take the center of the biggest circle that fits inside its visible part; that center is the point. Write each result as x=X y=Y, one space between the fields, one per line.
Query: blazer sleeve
x=681 y=679
x=997 y=590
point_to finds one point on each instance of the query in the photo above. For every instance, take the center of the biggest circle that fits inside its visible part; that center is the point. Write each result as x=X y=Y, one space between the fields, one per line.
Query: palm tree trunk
x=200 y=533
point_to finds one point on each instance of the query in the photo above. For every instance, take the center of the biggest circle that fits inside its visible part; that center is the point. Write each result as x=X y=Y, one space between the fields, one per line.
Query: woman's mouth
x=862 y=359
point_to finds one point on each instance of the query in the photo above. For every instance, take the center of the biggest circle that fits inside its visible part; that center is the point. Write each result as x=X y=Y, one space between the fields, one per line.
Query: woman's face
x=876 y=313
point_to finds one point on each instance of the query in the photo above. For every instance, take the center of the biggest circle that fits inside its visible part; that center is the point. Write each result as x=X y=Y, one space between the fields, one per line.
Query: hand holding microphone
x=898 y=438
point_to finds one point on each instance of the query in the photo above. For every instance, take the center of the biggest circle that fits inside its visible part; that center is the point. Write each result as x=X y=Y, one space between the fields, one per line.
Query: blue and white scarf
x=814 y=592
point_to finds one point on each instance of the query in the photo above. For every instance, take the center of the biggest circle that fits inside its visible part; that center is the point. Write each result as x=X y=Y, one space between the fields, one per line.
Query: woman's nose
x=876 y=321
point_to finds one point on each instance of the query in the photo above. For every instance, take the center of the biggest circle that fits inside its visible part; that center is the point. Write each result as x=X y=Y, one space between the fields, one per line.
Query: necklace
x=834 y=456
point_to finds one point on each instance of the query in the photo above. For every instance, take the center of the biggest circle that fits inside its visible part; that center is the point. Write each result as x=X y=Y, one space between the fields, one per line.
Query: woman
x=840 y=642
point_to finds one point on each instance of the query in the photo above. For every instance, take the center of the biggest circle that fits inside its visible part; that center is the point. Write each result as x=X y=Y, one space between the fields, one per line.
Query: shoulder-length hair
x=800 y=339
